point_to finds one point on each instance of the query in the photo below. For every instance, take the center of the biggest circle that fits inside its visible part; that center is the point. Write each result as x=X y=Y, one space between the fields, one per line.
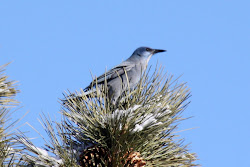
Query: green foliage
x=143 y=121
x=7 y=145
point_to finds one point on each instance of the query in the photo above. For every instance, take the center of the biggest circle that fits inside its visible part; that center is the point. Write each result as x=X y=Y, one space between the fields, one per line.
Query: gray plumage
x=129 y=70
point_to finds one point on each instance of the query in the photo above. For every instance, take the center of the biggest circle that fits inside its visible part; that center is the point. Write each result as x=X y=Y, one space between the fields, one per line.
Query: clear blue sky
x=54 y=44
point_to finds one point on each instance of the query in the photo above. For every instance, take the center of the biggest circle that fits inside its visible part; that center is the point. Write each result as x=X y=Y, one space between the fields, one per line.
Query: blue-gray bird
x=125 y=75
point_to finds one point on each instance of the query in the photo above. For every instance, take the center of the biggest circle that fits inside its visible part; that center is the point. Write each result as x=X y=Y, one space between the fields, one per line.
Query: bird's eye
x=147 y=49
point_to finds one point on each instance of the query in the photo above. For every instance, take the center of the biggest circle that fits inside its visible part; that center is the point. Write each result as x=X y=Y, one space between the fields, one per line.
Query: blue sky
x=53 y=46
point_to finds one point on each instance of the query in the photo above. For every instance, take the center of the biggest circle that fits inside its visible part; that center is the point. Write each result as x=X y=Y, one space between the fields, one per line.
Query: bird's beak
x=158 y=51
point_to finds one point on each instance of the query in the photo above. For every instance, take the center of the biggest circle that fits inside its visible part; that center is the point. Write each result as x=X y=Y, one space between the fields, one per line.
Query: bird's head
x=146 y=52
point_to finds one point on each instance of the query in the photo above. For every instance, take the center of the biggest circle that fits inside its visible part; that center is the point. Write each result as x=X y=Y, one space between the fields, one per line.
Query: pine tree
x=140 y=130
x=7 y=144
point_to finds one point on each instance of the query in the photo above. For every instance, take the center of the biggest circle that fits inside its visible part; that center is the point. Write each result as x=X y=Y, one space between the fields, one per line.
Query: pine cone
x=95 y=157
x=99 y=157
x=135 y=160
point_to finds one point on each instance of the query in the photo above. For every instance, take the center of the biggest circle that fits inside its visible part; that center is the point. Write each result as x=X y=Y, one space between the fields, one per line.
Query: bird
x=125 y=75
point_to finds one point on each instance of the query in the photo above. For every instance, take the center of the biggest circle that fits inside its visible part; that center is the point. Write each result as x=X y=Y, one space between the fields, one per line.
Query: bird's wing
x=112 y=73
